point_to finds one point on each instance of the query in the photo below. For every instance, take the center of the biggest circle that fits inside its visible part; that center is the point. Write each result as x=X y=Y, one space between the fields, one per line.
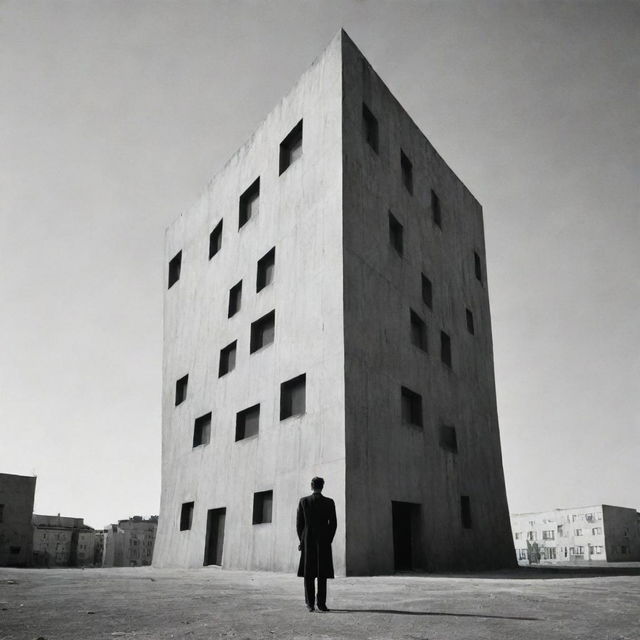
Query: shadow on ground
x=429 y=613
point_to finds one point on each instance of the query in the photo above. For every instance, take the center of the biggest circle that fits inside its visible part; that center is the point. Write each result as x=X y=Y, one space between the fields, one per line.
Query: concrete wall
x=16 y=534
x=386 y=460
x=622 y=533
x=300 y=215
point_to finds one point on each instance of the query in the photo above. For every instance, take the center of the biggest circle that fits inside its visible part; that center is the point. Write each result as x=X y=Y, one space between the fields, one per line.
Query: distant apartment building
x=59 y=541
x=596 y=533
x=130 y=542
x=16 y=508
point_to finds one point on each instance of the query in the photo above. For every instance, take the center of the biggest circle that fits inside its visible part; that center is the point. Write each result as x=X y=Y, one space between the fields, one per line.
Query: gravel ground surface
x=148 y=603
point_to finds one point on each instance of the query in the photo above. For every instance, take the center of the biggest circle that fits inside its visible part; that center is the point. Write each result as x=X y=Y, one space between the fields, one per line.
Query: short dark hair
x=317 y=483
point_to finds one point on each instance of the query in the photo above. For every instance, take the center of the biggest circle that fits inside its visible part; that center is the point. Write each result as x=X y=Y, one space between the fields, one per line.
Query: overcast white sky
x=114 y=115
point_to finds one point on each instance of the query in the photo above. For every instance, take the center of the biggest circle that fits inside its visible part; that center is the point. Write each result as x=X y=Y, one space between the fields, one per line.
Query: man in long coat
x=316 y=525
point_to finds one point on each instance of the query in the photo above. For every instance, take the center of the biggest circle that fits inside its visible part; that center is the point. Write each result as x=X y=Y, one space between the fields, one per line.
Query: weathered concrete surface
x=64 y=604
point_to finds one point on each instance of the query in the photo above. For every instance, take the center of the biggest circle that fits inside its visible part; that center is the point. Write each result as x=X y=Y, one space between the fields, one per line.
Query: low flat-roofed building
x=60 y=541
x=130 y=542
x=597 y=533
x=16 y=509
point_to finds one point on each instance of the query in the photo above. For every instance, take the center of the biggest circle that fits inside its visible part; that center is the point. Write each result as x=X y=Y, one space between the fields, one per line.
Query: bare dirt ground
x=209 y=603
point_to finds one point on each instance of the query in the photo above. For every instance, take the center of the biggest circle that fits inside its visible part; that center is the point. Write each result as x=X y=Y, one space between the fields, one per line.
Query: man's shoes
x=323 y=607
x=311 y=608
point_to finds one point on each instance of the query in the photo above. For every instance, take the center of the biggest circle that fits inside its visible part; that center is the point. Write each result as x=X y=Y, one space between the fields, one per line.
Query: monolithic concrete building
x=59 y=541
x=16 y=508
x=327 y=314
x=597 y=533
x=130 y=542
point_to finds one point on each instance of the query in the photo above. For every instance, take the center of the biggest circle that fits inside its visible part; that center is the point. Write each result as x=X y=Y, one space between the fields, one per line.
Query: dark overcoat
x=316 y=525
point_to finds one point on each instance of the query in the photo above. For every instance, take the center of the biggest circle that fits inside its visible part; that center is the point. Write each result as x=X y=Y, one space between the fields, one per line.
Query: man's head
x=317 y=484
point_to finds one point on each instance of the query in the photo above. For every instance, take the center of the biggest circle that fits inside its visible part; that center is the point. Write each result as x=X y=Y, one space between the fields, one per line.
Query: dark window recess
x=470 y=326
x=249 y=203
x=477 y=265
x=202 y=430
x=395 y=233
x=262 y=507
x=292 y=397
x=291 y=148
x=445 y=348
x=186 y=516
x=370 y=127
x=427 y=291
x=175 y=264
x=266 y=268
x=248 y=422
x=418 y=331
x=235 y=299
x=1 y=512
x=407 y=171
x=435 y=209
x=411 y=407
x=181 y=389
x=465 y=511
x=215 y=240
x=263 y=331
x=14 y=550
x=448 y=438
x=227 y=359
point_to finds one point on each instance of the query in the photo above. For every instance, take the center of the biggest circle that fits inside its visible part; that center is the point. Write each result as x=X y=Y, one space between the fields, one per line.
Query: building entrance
x=406 y=535
x=215 y=536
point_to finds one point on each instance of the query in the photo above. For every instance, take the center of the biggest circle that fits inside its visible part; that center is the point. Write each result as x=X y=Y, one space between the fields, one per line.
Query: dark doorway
x=406 y=535
x=215 y=536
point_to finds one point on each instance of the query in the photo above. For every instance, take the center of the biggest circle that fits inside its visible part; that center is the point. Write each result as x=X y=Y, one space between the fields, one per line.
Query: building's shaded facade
x=327 y=313
x=16 y=508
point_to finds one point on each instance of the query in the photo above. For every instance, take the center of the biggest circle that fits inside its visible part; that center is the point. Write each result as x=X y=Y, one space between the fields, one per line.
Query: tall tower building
x=327 y=313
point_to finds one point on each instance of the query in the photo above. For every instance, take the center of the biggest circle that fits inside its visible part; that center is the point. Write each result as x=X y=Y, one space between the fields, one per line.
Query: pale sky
x=114 y=115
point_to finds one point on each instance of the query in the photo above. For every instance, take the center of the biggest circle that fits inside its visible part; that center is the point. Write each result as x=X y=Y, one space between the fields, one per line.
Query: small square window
x=292 y=397
x=181 y=389
x=202 y=430
x=470 y=327
x=411 y=407
x=478 y=266
x=227 y=359
x=175 y=264
x=266 y=268
x=435 y=209
x=249 y=203
x=248 y=422
x=370 y=127
x=465 y=511
x=291 y=148
x=235 y=299
x=418 y=331
x=395 y=233
x=263 y=331
x=445 y=348
x=262 y=507
x=427 y=291
x=448 y=438
x=186 y=516
x=215 y=240
x=407 y=172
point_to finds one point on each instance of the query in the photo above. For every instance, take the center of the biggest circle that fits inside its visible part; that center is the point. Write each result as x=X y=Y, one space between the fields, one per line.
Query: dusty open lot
x=211 y=603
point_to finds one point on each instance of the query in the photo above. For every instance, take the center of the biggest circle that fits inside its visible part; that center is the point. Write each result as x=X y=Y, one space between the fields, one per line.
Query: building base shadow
x=433 y=613
x=546 y=572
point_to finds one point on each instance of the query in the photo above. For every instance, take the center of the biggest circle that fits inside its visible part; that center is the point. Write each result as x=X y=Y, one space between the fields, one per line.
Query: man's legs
x=310 y=591
x=322 y=593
